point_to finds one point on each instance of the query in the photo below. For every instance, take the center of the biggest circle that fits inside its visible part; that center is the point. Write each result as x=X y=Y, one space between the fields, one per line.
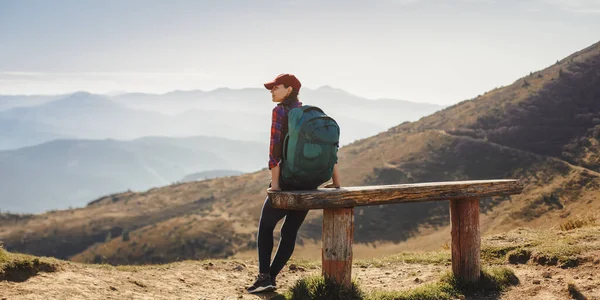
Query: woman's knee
x=288 y=234
x=266 y=226
x=289 y=231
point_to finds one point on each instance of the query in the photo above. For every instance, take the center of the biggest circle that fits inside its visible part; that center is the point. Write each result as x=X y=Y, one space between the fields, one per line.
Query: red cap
x=287 y=79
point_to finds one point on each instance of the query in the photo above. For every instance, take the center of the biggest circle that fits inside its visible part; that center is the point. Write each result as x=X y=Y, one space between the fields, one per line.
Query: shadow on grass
x=270 y=296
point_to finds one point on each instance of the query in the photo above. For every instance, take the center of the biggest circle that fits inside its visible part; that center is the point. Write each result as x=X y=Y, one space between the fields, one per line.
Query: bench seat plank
x=347 y=197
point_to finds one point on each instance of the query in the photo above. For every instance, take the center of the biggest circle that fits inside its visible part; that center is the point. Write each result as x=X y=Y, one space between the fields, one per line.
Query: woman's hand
x=275 y=179
x=273 y=188
x=335 y=178
x=332 y=185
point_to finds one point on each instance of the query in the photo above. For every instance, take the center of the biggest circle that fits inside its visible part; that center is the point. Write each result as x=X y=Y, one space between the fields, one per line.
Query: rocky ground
x=551 y=265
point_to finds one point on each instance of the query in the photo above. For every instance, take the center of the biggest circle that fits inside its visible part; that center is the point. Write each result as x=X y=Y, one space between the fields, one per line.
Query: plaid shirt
x=278 y=132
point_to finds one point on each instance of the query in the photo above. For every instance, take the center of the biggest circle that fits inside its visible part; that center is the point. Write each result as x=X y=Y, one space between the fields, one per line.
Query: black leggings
x=268 y=220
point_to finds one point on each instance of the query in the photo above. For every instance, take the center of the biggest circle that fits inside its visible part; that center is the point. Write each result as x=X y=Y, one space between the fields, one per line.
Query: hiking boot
x=273 y=283
x=263 y=283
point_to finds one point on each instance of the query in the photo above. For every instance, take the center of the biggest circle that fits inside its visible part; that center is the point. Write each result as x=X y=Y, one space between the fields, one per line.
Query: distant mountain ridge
x=242 y=114
x=210 y=175
x=67 y=173
x=17 y=133
x=12 y=101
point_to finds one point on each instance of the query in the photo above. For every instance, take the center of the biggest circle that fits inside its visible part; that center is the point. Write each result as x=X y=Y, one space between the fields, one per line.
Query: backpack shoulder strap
x=311 y=107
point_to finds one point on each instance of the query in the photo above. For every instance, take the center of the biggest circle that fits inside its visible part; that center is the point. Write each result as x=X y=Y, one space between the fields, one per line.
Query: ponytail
x=293 y=97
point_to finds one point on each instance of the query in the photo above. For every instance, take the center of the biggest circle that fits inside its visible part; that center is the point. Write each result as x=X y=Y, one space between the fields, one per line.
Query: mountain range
x=242 y=114
x=76 y=147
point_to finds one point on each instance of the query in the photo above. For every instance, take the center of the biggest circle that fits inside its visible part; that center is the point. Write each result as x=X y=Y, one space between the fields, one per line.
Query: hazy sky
x=417 y=50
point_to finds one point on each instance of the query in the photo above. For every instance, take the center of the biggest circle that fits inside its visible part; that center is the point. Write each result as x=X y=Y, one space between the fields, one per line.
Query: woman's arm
x=275 y=179
x=335 y=177
x=275 y=147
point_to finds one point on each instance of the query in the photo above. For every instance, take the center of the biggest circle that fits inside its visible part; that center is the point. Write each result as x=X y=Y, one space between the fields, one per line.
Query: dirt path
x=580 y=168
x=552 y=283
x=227 y=279
x=193 y=280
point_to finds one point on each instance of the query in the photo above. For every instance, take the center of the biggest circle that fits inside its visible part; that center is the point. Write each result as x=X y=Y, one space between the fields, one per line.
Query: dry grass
x=493 y=281
x=20 y=267
x=578 y=222
x=305 y=263
x=543 y=247
x=424 y=258
x=317 y=287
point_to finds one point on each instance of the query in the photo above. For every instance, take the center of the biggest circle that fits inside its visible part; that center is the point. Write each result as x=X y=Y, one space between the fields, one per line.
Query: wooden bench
x=338 y=217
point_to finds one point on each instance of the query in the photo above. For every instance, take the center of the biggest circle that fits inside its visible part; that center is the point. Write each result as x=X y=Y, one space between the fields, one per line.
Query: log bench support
x=464 y=216
x=338 y=237
x=338 y=218
x=336 y=249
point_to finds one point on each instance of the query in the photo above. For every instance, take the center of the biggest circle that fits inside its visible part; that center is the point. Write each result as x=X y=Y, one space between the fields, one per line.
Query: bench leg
x=464 y=216
x=336 y=251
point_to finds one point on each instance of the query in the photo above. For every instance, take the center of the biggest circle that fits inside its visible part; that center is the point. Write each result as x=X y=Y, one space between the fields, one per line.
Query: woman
x=284 y=91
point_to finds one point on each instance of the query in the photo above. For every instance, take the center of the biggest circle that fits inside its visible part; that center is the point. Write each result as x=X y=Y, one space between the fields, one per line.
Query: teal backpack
x=310 y=148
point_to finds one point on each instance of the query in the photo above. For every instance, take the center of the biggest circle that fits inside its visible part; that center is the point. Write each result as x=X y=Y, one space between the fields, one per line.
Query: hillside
x=542 y=128
x=523 y=263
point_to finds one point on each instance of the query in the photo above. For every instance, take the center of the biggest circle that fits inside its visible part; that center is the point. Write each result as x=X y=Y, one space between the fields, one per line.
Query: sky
x=430 y=51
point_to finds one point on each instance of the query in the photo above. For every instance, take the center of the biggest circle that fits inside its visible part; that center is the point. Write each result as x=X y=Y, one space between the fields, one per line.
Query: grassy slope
x=521 y=262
